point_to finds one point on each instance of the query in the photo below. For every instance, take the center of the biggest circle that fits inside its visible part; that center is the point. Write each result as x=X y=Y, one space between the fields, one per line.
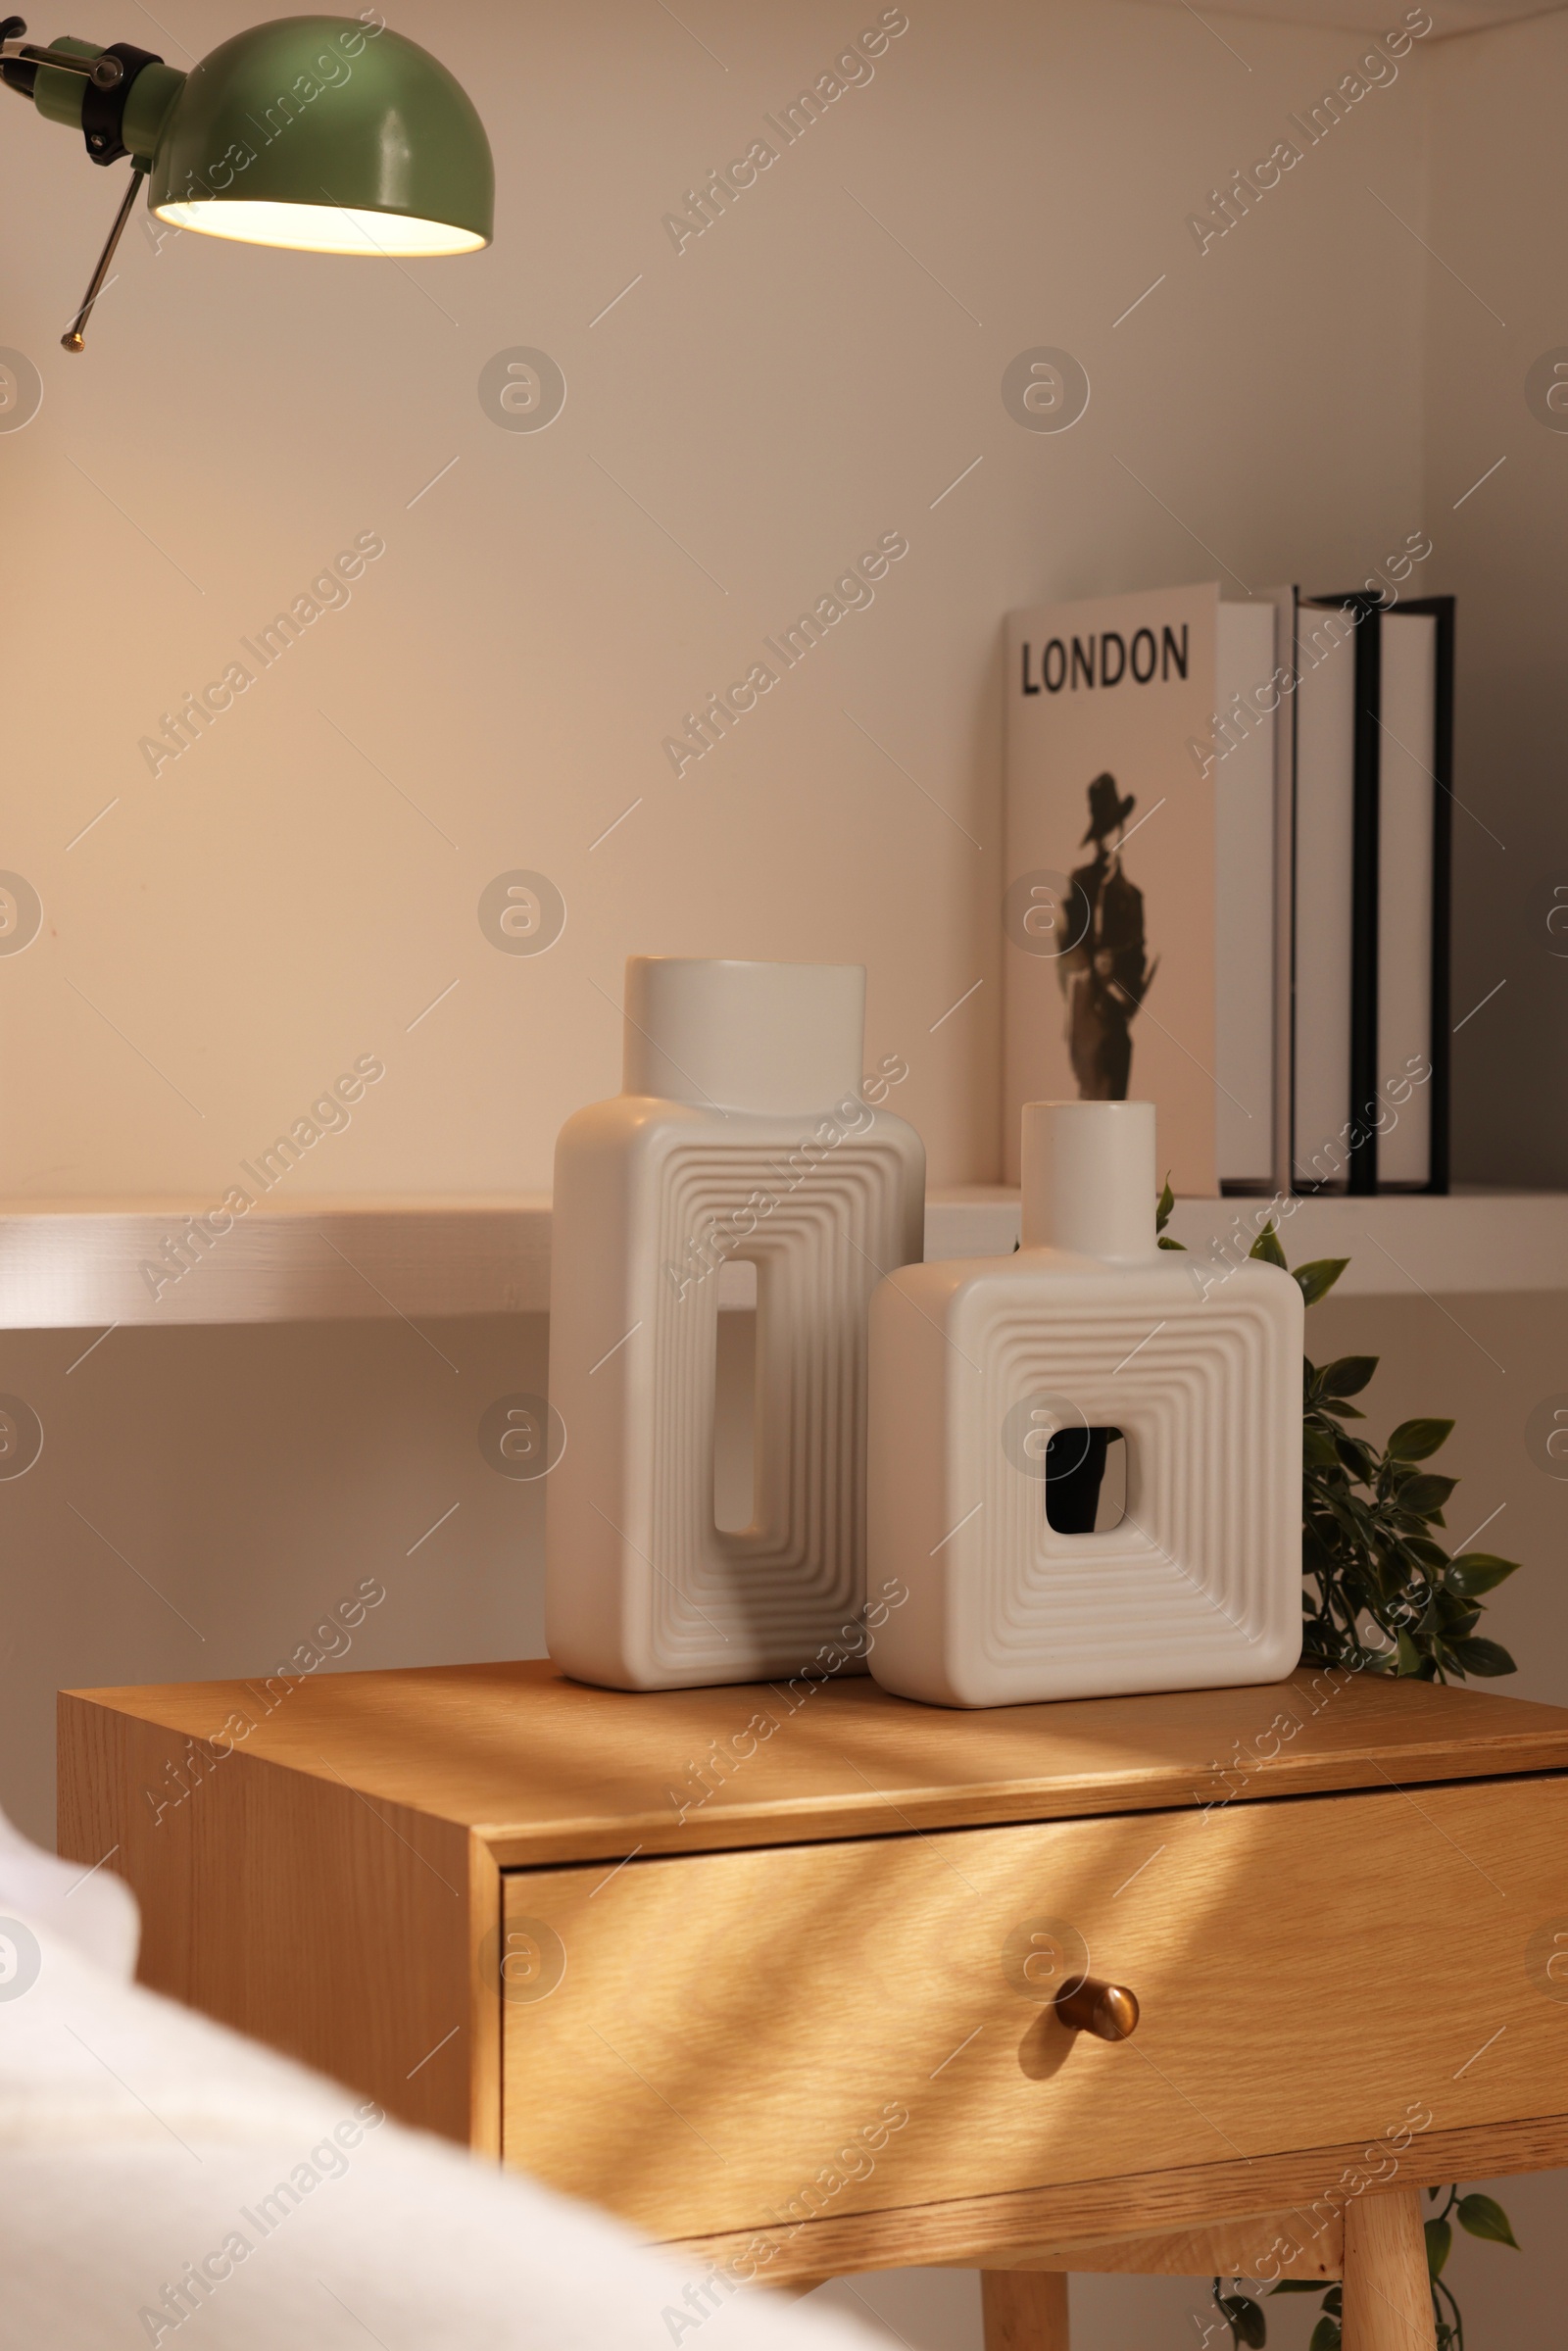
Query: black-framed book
x=1372 y=894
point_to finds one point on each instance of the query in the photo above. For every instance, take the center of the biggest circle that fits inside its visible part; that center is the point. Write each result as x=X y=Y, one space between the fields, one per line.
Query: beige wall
x=1499 y=221
x=791 y=386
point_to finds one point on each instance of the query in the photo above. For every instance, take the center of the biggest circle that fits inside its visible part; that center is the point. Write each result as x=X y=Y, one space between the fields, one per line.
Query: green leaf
x=1359 y=1458
x=1319 y=1448
x=1485 y=2218
x=1163 y=1210
x=1409 y=1656
x=1474 y=1572
x=1267 y=1248
x=1316 y=1558
x=1333 y=2300
x=1414 y=1440
x=1319 y=1277
x=1425 y=1495
x=1247 y=2319
x=1439 y=2241
x=1325 y=2336
x=1485 y=1659
x=1165 y=1242
x=1424 y=1551
x=1348 y=1375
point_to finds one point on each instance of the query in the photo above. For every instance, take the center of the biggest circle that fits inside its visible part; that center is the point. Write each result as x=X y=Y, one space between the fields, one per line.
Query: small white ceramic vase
x=741 y=1137
x=1091 y=1347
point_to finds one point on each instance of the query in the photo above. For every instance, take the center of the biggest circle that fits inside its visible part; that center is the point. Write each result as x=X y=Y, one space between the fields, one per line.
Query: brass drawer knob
x=1107 y=2010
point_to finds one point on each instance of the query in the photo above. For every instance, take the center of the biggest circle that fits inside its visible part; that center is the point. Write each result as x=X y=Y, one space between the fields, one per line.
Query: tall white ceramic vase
x=979 y=1364
x=741 y=1137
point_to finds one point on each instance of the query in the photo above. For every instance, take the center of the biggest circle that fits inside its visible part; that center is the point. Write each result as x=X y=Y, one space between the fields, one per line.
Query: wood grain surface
x=345 y=1931
x=792 y=2036
x=324 y=1863
x=542 y=1769
x=1023 y=2310
x=1231 y=2249
x=1004 y=2232
x=1388 y=2301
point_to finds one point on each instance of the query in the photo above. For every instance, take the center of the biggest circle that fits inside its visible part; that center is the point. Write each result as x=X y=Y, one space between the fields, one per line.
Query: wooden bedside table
x=770 y=1971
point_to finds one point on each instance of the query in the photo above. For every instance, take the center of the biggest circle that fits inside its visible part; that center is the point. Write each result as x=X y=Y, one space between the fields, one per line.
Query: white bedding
x=165 y=2182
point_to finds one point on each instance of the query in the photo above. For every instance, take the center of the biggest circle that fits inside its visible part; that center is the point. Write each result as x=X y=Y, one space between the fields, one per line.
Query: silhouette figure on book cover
x=1104 y=975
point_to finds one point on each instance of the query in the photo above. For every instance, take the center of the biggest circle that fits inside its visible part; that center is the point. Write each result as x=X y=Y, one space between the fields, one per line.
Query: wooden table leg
x=1024 y=2310
x=1388 y=2301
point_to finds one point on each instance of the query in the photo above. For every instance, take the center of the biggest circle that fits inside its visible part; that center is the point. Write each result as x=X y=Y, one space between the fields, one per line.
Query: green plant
x=1379 y=1595
x=1384 y=1597
x=1480 y=2215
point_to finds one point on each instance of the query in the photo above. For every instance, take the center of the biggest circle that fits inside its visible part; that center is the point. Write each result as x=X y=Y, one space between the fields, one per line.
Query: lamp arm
x=90 y=87
x=119 y=97
x=104 y=71
x=72 y=339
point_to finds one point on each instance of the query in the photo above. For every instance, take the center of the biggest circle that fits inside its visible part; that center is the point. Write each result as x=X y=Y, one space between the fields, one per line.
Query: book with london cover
x=1147 y=914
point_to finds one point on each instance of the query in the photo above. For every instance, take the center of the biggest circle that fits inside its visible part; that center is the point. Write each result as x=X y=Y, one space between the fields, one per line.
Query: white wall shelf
x=79 y=1264
x=1397 y=1244
x=1371 y=15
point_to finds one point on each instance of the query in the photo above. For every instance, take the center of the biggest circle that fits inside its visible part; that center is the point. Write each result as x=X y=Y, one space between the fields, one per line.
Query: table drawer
x=745 y=2039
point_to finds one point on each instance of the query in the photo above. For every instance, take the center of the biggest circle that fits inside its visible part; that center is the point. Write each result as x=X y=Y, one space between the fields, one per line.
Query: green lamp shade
x=326 y=133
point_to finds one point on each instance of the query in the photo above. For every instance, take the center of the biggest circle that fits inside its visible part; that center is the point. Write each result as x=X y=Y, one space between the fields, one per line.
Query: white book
x=1142 y=914
x=1407 y=841
x=1109 y=910
x=1245 y=1024
x=1325 y=881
